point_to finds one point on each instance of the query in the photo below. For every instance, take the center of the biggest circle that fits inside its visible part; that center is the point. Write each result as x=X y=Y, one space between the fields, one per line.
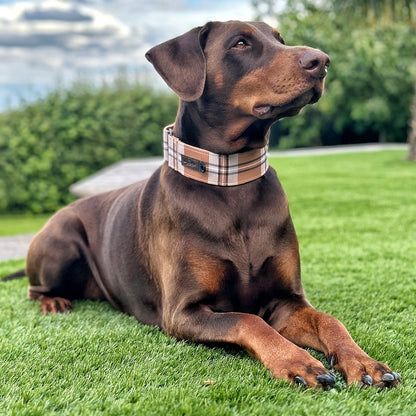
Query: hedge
x=47 y=146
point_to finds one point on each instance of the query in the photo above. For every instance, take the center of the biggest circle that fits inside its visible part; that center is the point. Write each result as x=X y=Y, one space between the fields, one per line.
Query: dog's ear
x=181 y=63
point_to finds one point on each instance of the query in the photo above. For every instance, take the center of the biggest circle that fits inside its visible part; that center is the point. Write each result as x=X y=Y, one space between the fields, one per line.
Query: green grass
x=15 y=224
x=355 y=219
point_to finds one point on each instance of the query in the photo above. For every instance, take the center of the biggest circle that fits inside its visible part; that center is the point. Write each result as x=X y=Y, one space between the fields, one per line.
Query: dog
x=205 y=248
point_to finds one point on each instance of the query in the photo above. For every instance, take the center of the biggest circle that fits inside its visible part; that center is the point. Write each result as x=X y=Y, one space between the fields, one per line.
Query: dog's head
x=244 y=72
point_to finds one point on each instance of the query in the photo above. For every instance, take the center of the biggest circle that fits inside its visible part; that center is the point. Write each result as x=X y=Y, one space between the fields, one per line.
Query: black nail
x=331 y=359
x=300 y=381
x=326 y=379
x=397 y=376
x=367 y=379
x=388 y=377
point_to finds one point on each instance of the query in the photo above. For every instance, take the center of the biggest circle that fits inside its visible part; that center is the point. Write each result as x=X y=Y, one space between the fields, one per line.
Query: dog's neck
x=212 y=168
x=219 y=128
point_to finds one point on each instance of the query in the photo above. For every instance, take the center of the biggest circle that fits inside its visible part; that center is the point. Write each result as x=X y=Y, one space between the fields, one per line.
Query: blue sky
x=50 y=43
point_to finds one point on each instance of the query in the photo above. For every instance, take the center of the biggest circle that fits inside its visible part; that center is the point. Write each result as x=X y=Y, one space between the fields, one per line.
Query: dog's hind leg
x=57 y=266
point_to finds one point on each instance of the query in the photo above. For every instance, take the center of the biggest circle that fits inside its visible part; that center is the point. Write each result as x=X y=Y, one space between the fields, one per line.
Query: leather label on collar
x=191 y=163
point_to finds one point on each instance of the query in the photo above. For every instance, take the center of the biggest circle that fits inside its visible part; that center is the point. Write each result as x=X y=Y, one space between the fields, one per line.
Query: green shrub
x=47 y=146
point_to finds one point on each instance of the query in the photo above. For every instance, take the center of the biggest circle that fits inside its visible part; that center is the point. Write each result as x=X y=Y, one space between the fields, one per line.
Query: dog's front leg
x=308 y=327
x=284 y=359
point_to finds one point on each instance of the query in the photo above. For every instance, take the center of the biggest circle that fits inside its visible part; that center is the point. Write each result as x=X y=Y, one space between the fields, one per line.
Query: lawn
x=21 y=224
x=355 y=216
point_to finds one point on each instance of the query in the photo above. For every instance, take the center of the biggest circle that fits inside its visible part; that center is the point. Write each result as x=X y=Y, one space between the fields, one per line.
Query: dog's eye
x=241 y=44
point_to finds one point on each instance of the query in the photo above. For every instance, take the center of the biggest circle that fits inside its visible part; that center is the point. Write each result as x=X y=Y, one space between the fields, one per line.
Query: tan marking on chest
x=208 y=271
x=286 y=265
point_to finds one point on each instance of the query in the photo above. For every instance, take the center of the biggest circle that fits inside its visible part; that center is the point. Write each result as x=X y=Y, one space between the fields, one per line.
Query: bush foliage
x=47 y=146
x=369 y=87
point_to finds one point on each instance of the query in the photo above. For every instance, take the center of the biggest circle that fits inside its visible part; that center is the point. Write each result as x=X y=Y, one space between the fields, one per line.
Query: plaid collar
x=214 y=169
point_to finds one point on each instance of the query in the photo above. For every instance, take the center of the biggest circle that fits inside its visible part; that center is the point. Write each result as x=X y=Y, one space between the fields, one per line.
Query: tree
x=412 y=131
x=388 y=12
x=370 y=85
x=376 y=12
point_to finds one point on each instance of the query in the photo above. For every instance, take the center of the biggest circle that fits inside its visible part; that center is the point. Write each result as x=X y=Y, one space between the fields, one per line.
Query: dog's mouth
x=288 y=108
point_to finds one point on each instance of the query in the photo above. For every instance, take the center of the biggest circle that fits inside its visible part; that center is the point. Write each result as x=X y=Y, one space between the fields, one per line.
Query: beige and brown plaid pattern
x=214 y=169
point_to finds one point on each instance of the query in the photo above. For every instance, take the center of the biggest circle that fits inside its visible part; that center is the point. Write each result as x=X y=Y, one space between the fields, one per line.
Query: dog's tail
x=15 y=275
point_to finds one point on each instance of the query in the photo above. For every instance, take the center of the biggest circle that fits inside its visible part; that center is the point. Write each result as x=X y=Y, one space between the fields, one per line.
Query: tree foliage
x=47 y=146
x=375 y=12
x=369 y=87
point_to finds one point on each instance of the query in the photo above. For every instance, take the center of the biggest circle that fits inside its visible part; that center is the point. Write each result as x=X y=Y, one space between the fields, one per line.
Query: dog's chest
x=241 y=272
x=230 y=240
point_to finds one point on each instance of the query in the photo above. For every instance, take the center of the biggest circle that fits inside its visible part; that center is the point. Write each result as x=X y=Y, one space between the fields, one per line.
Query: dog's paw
x=304 y=370
x=54 y=305
x=362 y=370
x=326 y=381
x=388 y=380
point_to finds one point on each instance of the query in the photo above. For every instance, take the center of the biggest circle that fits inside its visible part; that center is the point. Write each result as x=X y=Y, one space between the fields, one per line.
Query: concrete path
x=14 y=247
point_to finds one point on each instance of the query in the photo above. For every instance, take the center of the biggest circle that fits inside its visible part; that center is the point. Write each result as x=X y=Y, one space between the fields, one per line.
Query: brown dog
x=206 y=248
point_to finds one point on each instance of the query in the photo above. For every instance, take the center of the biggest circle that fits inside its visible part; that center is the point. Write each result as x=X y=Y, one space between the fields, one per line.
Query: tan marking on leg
x=54 y=305
x=310 y=328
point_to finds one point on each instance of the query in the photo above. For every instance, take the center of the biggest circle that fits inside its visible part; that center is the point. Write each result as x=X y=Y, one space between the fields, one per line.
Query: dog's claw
x=397 y=376
x=367 y=380
x=331 y=360
x=388 y=377
x=300 y=381
x=389 y=380
x=327 y=380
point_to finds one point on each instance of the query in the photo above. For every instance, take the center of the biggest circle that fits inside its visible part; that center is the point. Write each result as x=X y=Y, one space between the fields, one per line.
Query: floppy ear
x=181 y=63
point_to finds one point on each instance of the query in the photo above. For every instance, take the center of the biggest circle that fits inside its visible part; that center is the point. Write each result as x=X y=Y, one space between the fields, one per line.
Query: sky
x=45 y=44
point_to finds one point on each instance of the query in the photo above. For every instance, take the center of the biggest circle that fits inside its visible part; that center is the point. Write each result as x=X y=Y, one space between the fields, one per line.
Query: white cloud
x=46 y=41
x=60 y=24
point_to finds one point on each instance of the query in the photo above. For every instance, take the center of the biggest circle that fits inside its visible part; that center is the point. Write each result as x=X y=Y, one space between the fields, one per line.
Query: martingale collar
x=212 y=168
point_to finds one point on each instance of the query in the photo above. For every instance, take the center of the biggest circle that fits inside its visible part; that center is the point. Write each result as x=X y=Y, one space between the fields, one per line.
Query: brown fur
x=207 y=263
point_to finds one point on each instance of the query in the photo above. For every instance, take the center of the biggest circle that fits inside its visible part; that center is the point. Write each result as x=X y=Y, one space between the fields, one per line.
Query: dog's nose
x=315 y=62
